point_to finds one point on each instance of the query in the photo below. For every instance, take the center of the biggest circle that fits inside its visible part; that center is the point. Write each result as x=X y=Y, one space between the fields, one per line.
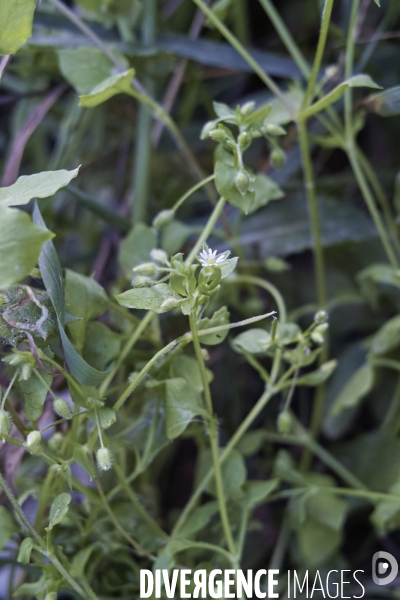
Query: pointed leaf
x=40 y=185
x=16 y=17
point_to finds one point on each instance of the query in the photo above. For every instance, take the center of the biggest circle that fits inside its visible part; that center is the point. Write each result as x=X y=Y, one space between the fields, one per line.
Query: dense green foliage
x=199 y=275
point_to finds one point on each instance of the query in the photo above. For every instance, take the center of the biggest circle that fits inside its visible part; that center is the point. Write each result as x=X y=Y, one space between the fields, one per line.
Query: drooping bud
x=141 y=281
x=33 y=442
x=244 y=140
x=159 y=256
x=278 y=158
x=170 y=303
x=317 y=338
x=218 y=135
x=242 y=182
x=148 y=269
x=163 y=218
x=274 y=130
x=56 y=441
x=5 y=423
x=321 y=317
x=247 y=108
x=104 y=460
x=285 y=422
x=62 y=408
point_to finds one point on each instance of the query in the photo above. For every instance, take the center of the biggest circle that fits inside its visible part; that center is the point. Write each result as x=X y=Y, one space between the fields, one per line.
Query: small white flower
x=210 y=258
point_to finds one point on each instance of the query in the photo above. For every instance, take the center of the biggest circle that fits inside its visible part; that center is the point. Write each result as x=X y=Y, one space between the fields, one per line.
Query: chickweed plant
x=160 y=406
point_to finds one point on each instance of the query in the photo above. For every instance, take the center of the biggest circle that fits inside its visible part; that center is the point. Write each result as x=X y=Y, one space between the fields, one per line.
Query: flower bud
x=278 y=158
x=56 y=441
x=321 y=328
x=218 y=135
x=163 y=218
x=62 y=408
x=274 y=130
x=242 y=182
x=51 y=596
x=33 y=442
x=321 y=316
x=170 y=303
x=247 y=108
x=148 y=269
x=25 y=372
x=244 y=140
x=317 y=338
x=103 y=457
x=5 y=423
x=141 y=281
x=210 y=126
x=159 y=256
x=285 y=422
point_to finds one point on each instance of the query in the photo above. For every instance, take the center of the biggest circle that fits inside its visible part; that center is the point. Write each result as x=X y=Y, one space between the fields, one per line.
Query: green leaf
x=16 y=17
x=174 y=236
x=265 y=190
x=86 y=299
x=258 y=491
x=359 y=385
x=254 y=341
x=181 y=406
x=220 y=317
x=34 y=393
x=188 y=368
x=225 y=184
x=7 y=527
x=102 y=345
x=50 y=270
x=386 y=516
x=378 y=3
x=199 y=519
x=116 y=84
x=107 y=417
x=233 y=473
x=136 y=247
x=58 y=510
x=84 y=68
x=20 y=245
x=337 y=93
x=319 y=376
x=317 y=542
x=80 y=454
x=257 y=341
x=25 y=549
x=149 y=298
x=387 y=338
x=385 y=104
x=40 y=185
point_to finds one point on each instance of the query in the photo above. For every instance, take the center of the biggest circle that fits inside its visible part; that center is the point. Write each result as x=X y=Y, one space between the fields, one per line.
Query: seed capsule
x=163 y=218
x=62 y=408
x=5 y=423
x=33 y=442
x=278 y=158
x=148 y=269
x=103 y=457
x=242 y=182
x=285 y=422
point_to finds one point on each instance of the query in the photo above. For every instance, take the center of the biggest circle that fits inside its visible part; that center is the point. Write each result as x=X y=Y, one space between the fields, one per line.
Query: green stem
x=349 y=61
x=9 y=388
x=137 y=332
x=390 y=421
x=235 y=43
x=192 y=190
x=266 y=285
x=143 y=134
x=326 y=19
x=40 y=542
x=286 y=37
x=314 y=215
x=158 y=532
x=206 y=231
x=380 y=194
x=370 y=202
x=213 y=433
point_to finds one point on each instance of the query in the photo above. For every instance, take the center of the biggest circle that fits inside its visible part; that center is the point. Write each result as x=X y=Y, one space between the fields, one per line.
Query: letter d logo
x=380 y=568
